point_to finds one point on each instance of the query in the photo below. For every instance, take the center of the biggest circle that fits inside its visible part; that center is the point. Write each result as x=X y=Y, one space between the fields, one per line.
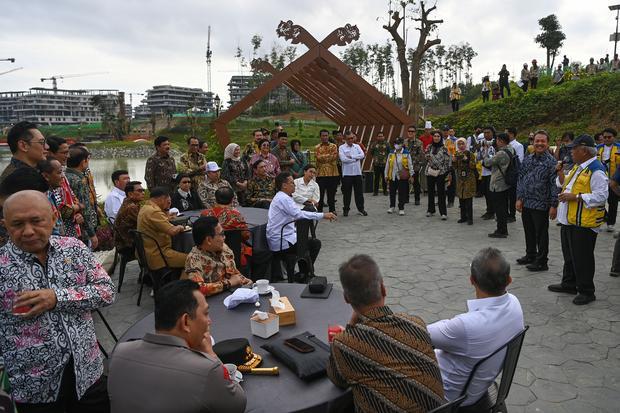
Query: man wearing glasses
x=193 y=162
x=27 y=145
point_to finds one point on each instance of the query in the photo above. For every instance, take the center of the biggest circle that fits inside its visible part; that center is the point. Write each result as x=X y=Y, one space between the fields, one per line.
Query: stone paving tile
x=570 y=360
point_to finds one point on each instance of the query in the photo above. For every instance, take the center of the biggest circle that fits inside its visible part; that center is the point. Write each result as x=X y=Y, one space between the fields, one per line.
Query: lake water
x=102 y=171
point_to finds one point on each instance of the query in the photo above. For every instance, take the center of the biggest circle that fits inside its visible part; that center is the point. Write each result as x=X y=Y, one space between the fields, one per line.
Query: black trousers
x=95 y=400
x=416 y=186
x=467 y=209
x=536 y=228
x=525 y=84
x=379 y=176
x=578 y=250
x=437 y=184
x=455 y=105
x=328 y=184
x=289 y=256
x=500 y=205
x=615 y=261
x=533 y=82
x=503 y=85
x=512 y=202
x=484 y=189
x=402 y=187
x=485 y=96
x=451 y=189
x=352 y=183
x=612 y=210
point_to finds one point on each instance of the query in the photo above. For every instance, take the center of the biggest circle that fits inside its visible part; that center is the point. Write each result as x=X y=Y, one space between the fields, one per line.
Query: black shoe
x=460 y=221
x=614 y=274
x=345 y=213
x=583 y=299
x=488 y=217
x=559 y=288
x=470 y=222
x=497 y=235
x=537 y=267
x=363 y=213
x=525 y=260
x=511 y=219
x=375 y=194
x=417 y=202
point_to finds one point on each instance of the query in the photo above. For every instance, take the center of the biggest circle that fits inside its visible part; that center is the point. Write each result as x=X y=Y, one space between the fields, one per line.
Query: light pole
x=217 y=101
x=615 y=7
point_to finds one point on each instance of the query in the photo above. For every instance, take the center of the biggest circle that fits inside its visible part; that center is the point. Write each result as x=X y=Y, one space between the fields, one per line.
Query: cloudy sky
x=150 y=42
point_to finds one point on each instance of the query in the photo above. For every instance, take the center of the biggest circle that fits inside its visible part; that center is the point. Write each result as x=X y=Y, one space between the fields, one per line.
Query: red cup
x=21 y=309
x=333 y=330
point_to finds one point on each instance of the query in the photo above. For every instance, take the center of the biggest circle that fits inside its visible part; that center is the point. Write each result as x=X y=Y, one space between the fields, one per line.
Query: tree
x=356 y=57
x=551 y=38
x=411 y=70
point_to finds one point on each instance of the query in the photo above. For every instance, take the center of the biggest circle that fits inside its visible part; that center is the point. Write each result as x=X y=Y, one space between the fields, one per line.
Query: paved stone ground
x=570 y=361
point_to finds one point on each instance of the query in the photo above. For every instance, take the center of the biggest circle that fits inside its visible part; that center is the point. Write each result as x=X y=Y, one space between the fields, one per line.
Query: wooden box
x=287 y=314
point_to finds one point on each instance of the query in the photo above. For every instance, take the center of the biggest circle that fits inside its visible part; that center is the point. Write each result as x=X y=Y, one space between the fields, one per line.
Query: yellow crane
x=58 y=77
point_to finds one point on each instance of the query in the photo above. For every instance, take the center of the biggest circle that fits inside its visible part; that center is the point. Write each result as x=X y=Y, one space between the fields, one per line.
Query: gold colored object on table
x=262 y=371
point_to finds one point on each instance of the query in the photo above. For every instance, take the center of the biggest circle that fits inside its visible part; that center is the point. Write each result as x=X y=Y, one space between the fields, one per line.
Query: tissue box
x=265 y=328
x=286 y=314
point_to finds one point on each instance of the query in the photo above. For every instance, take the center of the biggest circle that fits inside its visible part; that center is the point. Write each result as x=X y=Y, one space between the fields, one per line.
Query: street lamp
x=217 y=101
x=614 y=36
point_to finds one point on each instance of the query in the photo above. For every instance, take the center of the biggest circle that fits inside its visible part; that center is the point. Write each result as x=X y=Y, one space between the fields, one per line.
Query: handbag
x=306 y=366
x=432 y=172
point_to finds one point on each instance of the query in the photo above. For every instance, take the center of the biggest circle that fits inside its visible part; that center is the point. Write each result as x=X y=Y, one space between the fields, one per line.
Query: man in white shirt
x=487 y=149
x=350 y=155
x=307 y=191
x=117 y=195
x=581 y=212
x=512 y=194
x=494 y=317
x=282 y=232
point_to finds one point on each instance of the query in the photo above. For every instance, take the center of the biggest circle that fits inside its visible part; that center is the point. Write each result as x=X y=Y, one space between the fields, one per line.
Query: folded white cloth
x=241 y=295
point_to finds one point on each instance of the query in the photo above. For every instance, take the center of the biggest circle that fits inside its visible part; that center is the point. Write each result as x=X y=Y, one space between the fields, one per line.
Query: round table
x=256 y=218
x=286 y=392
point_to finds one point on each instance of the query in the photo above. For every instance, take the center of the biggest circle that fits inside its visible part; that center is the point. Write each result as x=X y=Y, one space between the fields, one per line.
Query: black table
x=286 y=392
x=256 y=218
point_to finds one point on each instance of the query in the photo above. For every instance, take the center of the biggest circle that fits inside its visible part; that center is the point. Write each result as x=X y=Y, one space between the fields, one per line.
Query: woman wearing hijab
x=236 y=171
x=465 y=169
x=299 y=159
x=398 y=173
x=438 y=165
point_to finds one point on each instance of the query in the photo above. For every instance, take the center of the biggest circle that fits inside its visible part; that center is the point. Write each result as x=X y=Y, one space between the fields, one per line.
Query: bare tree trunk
x=426 y=26
x=401 y=53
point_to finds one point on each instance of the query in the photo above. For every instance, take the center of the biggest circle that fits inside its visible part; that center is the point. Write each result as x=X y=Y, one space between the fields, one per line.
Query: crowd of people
x=51 y=279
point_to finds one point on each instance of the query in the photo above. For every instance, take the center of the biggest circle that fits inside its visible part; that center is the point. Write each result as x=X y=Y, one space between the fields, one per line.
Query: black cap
x=583 y=140
x=237 y=351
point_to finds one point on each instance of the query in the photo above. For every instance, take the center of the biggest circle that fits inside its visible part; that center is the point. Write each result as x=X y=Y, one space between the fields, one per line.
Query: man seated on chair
x=127 y=217
x=282 y=233
x=154 y=222
x=117 y=195
x=494 y=317
x=386 y=358
x=211 y=263
x=173 y=369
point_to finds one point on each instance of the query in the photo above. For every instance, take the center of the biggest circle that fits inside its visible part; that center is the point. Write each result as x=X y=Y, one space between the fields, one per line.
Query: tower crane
x=209 y=54
x=12 y=70
x=57 y=77
x=8 y=59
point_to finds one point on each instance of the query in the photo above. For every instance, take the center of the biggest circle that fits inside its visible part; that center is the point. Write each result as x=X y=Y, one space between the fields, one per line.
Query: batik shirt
x=206 y=192
x=160 y=171
x=36 y=350
x=326 y=159
x=379 y=152
x=211 y=270
x=260 y=188
x=193 y=164
x=126 y=220
x=79 y=185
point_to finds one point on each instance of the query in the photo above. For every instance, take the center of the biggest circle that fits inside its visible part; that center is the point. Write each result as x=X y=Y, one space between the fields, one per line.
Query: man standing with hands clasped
x=581 y=213
x=351 y=155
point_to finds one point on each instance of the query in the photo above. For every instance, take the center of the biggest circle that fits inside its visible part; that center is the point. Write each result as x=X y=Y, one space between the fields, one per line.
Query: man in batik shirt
x=160 y=168
x=193 y=162
x=211 y=263
x=48 y=287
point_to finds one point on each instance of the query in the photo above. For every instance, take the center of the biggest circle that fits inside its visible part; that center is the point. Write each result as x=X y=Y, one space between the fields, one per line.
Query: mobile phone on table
x=298 y=345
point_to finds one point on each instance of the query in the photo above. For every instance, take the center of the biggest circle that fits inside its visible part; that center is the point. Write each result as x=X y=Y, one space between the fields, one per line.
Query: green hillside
x=582 y=106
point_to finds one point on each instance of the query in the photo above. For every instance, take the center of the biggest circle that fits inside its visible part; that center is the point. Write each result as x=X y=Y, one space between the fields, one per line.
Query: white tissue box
x=265 y=328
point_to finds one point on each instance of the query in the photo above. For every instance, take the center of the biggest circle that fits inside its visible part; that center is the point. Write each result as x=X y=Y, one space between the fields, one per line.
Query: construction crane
x=209 y=54
x=57 y=77
x=12 y=70
x=8 y=59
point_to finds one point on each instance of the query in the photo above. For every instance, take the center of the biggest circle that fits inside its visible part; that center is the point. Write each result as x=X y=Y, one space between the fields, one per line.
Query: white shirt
x=350 y=157
x=462 y=341
x=606 y=152
x=282 y=211
x=398 y=166
x=598 y=185
x=305 y=192
x=113 y=202
x=486 y=151
x=518 y=149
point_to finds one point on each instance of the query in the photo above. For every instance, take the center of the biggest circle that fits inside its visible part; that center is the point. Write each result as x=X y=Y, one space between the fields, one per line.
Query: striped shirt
x=388 y=361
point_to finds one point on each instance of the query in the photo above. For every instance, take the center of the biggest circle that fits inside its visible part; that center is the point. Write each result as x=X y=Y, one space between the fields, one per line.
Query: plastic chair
x=494 y=400
x=105 y=322
x=126 y=255
x=304 y=227
x=156 y=275
x=234 y=240
x=450 y=407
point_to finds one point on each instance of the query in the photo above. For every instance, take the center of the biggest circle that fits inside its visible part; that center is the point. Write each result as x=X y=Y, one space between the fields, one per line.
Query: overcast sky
x=151 y=42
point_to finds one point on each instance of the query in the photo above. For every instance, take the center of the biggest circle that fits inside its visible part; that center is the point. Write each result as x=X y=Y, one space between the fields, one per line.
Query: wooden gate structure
x=332 y=87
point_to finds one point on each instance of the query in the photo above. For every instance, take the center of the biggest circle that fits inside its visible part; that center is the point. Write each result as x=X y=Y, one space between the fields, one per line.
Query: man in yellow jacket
x=581 y=212
x=609 y=155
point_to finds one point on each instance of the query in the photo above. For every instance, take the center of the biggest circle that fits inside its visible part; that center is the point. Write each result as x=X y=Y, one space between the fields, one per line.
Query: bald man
x=48 y=287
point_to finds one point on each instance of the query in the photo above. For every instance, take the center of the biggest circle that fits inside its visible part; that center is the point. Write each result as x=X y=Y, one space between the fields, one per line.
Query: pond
x=102 y=171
